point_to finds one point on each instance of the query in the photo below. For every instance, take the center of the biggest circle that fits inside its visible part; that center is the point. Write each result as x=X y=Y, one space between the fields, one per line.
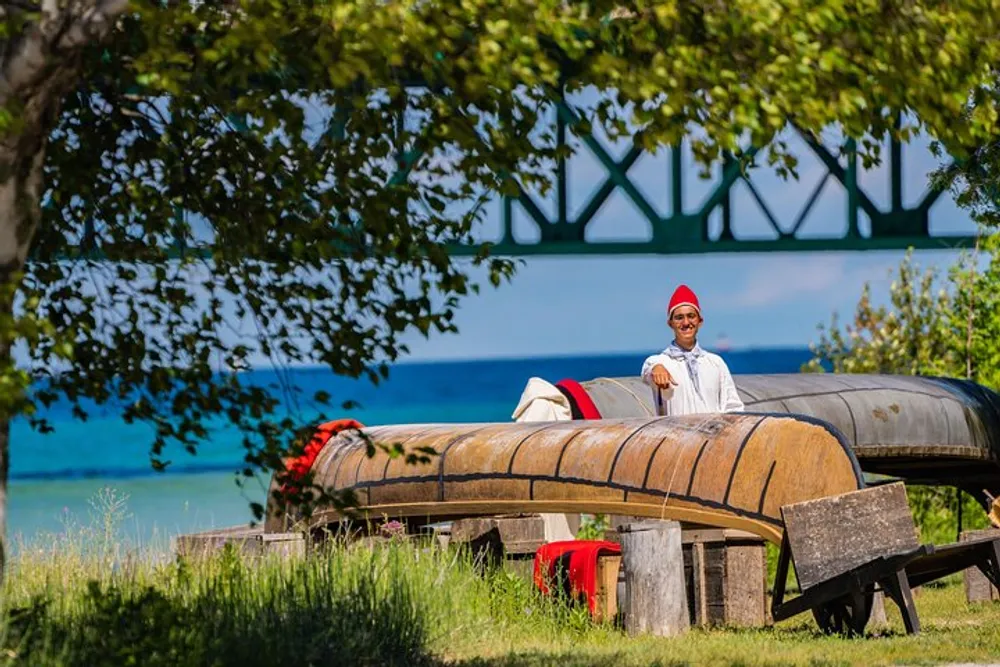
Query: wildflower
x=392 y=529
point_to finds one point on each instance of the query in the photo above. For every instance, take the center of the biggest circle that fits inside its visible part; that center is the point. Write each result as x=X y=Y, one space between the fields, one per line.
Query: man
x=686 y=379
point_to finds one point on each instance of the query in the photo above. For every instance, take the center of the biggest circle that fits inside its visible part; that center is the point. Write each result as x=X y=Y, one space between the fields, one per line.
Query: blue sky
x=595 y=304
x=617 y=304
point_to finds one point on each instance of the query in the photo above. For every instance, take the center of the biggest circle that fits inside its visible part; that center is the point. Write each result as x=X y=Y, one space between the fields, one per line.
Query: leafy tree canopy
x=323 y=154
x=945 y=326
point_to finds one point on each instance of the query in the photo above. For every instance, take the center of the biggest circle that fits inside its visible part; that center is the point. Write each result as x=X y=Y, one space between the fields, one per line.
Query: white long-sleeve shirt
x=718 y=392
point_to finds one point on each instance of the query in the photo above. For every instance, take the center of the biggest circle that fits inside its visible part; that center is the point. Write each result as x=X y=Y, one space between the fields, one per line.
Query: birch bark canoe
x=728 y=471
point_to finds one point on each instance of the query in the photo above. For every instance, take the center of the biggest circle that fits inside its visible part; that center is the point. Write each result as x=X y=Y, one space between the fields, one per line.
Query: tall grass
x=83 y=597
x=333 y=610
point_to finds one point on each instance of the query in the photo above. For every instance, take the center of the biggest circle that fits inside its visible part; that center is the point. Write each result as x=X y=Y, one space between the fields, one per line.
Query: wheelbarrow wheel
x=847 y=615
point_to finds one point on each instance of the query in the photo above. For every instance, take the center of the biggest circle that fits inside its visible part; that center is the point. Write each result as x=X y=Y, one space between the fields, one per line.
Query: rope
x=638 y=400
x=666 y=494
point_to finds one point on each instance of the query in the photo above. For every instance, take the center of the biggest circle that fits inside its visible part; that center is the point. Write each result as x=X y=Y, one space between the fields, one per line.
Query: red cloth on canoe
x=297 y=467
x=581 y=398
x=581 y=567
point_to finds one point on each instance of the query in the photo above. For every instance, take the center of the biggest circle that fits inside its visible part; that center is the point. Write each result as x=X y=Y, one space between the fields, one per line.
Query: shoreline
x=148 y=512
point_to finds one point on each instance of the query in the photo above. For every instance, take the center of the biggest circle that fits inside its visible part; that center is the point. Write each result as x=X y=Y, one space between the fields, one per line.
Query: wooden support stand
x=725 y=572
x=653 y=564
x=977 y=587
x=246 y=540
x=725 y=576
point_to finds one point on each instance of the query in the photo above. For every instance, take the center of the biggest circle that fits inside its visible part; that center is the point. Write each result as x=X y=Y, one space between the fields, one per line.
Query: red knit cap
x=683 y=296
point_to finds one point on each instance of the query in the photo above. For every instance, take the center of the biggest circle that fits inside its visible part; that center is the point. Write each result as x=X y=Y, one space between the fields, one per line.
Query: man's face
x=685 y=322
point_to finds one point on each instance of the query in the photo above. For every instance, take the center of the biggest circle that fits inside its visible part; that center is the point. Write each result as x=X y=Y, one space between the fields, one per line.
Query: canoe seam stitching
x=513 y=455
x=736 y=461
x=694 y=466
x=767 y=483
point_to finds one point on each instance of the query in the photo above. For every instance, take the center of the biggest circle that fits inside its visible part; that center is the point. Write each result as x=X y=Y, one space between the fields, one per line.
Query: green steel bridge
x=687 y=227
x=683 y=230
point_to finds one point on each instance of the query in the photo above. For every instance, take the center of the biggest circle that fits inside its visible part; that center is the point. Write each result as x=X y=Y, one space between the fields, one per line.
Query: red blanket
x=579 y=560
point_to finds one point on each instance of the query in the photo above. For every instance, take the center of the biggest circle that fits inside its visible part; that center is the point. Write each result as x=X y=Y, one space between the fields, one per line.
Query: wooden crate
x=977 y=587
x=729 y=584
x=517 y=534
x=725 y=575
x=246 y=540
x=509 y=541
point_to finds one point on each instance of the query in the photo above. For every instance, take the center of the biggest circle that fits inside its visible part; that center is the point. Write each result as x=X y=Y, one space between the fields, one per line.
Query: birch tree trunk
x=40 y=65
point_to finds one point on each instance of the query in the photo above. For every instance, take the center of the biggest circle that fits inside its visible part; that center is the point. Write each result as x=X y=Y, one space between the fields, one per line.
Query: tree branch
x=58 y=36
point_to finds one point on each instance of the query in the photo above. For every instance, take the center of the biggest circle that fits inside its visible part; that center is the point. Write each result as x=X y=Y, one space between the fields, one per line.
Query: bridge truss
x=682 y=230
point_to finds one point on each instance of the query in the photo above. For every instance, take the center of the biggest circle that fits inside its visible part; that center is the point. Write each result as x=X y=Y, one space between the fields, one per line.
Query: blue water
x=55 y=477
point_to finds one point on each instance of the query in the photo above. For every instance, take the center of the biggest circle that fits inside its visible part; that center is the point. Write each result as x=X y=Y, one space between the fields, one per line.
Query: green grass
x=85 y=598
x=953 y=632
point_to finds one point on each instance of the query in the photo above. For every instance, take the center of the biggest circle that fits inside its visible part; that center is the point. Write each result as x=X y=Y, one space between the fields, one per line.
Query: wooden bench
x=845 y=548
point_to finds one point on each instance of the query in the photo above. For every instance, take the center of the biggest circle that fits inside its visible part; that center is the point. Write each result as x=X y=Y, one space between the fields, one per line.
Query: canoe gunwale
x=762 y=527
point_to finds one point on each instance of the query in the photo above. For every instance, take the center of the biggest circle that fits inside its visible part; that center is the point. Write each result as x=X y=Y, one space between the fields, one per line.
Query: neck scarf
x=690 y=359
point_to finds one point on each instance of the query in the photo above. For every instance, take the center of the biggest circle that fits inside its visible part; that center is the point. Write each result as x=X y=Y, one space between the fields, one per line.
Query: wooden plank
x=690 y=536
x=977 y=587
x=829 y=536
x=948 y=559
x=286 y=545
x=608 y=567
x=899 y=588
x=715 y=583
x=653 y=562
x=743 y=583
x=246 y=540
x=197 y=545
x=699 y=590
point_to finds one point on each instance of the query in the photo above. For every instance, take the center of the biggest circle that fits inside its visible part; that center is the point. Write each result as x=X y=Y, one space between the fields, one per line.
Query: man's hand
x=662 y=377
